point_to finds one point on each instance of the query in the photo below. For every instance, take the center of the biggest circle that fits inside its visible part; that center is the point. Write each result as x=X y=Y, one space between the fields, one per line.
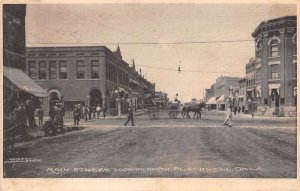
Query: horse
x=196 y=109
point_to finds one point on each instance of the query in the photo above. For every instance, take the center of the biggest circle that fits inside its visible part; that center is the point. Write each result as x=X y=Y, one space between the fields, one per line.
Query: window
x=294 y=44
x=52 y=70
x=42 y=70
x=32 y=69
x=63 y=70
x=274 y=71
x=274 y=75
x=95 y=69
x=80 y=69
x=274 y=48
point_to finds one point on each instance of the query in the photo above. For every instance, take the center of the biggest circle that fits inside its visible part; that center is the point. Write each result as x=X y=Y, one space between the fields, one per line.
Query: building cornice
x=282 y=22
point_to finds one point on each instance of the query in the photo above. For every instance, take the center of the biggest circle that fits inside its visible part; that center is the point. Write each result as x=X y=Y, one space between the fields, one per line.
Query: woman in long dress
x=228 y=119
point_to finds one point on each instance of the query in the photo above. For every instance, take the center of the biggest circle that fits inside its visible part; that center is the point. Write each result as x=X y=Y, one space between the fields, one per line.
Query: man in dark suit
x=130 y=117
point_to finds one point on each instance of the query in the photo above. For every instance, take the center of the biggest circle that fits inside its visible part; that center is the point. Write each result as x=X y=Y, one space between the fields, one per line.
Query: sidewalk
x=38 y=132
x=242 y=115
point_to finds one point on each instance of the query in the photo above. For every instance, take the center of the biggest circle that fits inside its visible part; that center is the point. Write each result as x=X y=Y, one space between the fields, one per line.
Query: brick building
x=223 y=89
x=88 y=75
x=274 y=69
x=17 y=86
x=243 y=93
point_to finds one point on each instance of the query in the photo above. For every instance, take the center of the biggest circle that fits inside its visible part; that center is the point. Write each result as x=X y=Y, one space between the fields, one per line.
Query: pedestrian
x=30 y=114
x=130 y=117
x=104 y=110
x=98 y=110
x=85 y=112
x=59 y=119
x=40 y=114
x=239 y=109
x=21 y=119
x=228 y=119
x=90 y=112
x=94 y=112
x=76 y=115
x=234 y=110
x=243 y=109
x=51 y=112
x=252 y=109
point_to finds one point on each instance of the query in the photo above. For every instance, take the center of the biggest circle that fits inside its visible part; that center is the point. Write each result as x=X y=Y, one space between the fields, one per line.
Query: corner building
x=275 y=73
x=89 y=75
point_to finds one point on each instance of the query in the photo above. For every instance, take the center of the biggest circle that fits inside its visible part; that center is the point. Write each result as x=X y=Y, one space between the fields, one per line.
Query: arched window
x=274 y=48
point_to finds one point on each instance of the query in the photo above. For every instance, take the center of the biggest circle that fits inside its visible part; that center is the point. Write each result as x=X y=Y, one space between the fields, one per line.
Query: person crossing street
x=130 y=117
x=228 y=119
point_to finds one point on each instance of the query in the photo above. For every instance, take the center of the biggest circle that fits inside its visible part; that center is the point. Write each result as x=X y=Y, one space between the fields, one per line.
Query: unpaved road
x=163 y=148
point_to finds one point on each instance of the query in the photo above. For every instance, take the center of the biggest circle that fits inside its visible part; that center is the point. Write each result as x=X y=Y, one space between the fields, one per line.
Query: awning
x=133 y=81
x=20 y=80
x=221 y=99
x=211 y=100
x=120 y=89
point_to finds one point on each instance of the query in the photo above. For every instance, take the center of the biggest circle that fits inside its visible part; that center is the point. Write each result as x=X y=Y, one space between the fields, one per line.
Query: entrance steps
x=283 y=112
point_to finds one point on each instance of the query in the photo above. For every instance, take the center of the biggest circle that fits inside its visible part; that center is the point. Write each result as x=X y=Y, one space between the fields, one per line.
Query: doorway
x=95 y=97
x=274 y=98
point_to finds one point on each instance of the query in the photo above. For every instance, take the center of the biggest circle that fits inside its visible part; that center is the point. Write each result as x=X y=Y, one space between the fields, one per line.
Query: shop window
x=32 y=69
x=63 y=74
x=42 y=70
x=95 y=69
x=265 y=101
x=52 y=70
x=80 y=70
x=282 y=100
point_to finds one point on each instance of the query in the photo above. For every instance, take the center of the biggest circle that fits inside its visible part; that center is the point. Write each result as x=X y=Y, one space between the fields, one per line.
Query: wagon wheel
x=173 y=114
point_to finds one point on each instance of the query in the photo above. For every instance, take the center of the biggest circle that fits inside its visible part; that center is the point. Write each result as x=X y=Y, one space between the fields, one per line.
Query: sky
x=117 y=24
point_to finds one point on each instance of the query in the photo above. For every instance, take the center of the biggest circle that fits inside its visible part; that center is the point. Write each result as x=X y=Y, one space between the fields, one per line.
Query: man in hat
x=130 y=117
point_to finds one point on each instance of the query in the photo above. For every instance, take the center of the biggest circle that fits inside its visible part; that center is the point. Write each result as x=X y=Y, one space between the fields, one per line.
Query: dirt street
x=163 y=148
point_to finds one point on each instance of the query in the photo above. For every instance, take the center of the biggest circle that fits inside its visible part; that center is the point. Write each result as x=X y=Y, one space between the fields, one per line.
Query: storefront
x=18 y=87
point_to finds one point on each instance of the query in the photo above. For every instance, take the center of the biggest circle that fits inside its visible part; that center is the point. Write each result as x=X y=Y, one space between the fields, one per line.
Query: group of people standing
x=88 y=112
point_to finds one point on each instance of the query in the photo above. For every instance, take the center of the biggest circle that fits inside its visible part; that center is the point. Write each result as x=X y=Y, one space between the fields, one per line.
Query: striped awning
x=212 y=100
x=21 y=82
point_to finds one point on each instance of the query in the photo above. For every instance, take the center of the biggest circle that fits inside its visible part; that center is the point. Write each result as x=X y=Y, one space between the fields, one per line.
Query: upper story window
x=274 y=48
x=52 y=70
x=32 y=69
x=274 y=71
x=80 y=69
x=63 y=70
x=95 y=69
x=42 y=70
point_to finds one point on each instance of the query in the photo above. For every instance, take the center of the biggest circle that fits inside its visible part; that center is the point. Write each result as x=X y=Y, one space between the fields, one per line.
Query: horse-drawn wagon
x=173 y=110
